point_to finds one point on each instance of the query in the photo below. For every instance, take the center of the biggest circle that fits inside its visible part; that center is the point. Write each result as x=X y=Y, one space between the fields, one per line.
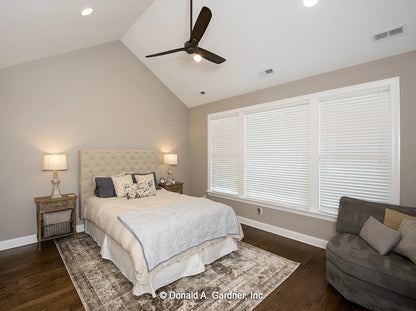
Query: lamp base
x=169 y=179
x=55 y=183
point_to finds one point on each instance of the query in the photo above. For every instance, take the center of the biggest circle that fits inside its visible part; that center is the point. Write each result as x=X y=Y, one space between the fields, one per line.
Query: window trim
x=313 y=99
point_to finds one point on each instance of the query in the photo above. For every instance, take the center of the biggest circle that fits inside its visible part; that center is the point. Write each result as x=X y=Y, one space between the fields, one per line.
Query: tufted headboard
x=107 y=162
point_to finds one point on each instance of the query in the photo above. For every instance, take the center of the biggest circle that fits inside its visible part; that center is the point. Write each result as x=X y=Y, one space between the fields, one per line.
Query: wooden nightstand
x=46 y=205
x=176 y=187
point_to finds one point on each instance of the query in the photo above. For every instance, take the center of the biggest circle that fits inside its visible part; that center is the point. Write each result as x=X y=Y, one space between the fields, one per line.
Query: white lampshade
x=170 y=158
x=54 y=162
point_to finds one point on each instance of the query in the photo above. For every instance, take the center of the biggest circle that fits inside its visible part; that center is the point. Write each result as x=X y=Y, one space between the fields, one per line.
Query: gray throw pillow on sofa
x=379 y=236
x=407 y=245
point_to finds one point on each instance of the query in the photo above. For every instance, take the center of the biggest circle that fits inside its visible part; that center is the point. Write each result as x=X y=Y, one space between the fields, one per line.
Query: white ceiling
x=34 y=29
x=295 y=41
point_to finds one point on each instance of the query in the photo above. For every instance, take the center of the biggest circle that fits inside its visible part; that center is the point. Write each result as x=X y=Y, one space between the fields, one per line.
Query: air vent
x=268 y=71
x=396 y=31
x=380 y=36
x=389 y=33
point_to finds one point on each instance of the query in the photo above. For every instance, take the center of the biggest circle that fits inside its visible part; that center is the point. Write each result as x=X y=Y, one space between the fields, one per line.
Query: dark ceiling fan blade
x=210 y=56
x=201 y=25
x=166 y=52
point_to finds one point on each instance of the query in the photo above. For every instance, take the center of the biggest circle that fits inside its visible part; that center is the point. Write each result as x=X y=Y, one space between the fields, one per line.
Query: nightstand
x=52 y=225
x=176 y=187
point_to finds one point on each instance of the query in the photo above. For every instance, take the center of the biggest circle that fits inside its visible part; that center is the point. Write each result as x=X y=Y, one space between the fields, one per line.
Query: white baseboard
x=284 y=232
x=80 y=228
x=30 y=239
x=26 y=240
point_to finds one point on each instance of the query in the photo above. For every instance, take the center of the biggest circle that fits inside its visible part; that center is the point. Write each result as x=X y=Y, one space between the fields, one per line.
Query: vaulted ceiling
x=283 y=35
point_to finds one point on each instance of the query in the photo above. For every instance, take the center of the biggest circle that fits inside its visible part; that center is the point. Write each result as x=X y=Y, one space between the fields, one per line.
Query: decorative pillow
x=145 y=185
x=379 y=236
x=407 y=245
x=104 y=187
x=393 y=219
x=120 y=183
x=140 y=174
x=131 y=192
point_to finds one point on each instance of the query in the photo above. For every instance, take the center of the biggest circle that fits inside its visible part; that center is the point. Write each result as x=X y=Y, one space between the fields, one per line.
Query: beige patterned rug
x=238 y=281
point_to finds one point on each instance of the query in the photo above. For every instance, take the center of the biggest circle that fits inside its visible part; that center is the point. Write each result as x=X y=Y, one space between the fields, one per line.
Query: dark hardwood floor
x=38 y=280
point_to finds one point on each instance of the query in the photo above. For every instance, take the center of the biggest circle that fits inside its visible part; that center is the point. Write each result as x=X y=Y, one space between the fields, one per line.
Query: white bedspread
x=179 y=227
x=104 y=212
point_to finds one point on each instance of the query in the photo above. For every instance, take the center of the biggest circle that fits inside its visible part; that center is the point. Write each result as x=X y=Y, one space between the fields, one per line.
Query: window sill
x=327 y=217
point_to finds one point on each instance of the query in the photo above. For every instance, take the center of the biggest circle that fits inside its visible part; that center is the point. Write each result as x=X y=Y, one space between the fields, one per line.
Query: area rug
x=238 y=281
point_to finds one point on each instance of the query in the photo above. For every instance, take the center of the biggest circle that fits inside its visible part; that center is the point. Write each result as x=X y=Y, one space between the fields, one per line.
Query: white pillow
x=120 y=182
x=145 y=185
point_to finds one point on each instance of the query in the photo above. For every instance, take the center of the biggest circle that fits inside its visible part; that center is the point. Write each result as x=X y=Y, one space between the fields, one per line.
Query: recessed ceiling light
x=87 y=11
x=309 y=3
x=197 y=58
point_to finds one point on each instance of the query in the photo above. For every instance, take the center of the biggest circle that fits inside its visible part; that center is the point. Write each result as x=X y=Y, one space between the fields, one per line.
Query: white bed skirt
x=192 y=265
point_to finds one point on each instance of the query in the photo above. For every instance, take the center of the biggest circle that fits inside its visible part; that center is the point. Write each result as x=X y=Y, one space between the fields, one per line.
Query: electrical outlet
x=259 y=211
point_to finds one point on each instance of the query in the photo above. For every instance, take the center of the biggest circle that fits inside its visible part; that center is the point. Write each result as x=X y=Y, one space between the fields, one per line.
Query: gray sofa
x=359 y=272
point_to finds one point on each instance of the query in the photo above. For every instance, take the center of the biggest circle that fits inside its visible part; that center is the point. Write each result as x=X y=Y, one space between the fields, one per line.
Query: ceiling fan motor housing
x=191 y=47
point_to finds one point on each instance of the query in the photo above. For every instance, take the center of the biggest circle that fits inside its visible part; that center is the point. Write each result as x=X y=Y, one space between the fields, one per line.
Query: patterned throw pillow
x=131 y=191
x=145 y=185
x=120 y=183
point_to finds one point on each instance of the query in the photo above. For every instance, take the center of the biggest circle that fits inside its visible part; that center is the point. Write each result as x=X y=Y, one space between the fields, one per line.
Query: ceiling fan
x=191 y=46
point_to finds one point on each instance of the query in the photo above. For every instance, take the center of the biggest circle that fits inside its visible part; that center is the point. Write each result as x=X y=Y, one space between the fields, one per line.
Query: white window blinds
x=304 y=153
x=223 y=149
x=276 y=156
x=355 y=148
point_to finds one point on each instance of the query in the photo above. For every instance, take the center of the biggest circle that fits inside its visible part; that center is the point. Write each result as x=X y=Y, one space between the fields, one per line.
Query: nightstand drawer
x=176 y=187
x=51 y=206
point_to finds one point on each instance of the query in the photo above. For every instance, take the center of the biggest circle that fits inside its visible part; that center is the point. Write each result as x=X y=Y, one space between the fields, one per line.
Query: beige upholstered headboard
x=107 y=162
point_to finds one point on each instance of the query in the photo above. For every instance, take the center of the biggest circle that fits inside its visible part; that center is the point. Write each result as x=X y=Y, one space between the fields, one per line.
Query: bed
x=121 y=245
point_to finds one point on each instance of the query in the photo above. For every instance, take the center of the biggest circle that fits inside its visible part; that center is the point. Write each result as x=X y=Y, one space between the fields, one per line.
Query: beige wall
x=99 y=97
x=403 y=65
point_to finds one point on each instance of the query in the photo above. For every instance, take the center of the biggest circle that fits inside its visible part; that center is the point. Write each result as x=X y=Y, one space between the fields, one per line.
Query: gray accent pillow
x=407 y=245
x=379 y=236
x=104 y=187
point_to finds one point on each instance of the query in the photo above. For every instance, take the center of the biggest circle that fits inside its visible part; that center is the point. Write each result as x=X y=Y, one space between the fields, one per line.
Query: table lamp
x=170 y=159
x=55 y=163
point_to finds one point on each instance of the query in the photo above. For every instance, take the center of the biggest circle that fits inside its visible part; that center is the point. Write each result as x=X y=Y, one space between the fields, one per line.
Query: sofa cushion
x=379 y=236
x=353 y=256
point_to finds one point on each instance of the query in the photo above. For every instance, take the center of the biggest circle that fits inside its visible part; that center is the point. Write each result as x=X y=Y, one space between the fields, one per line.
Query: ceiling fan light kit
x=310 y=3
x=191 y=46
x=197 y=58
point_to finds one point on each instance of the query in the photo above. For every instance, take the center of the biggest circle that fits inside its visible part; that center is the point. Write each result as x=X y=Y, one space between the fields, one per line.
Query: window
x=355 y=148
x=276 y=159
x=224 y=154
x=304 y=153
